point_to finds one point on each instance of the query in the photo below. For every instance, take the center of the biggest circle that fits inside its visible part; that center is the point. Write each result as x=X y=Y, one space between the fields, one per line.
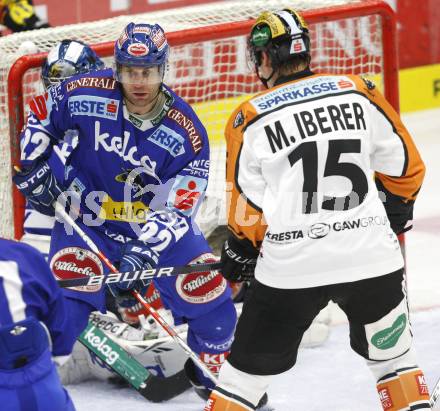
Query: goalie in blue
x=66 y=58
x=134 y=183
x=34 y=330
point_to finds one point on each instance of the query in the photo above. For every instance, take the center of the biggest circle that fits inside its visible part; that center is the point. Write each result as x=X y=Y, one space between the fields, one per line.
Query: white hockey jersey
x=302 y=160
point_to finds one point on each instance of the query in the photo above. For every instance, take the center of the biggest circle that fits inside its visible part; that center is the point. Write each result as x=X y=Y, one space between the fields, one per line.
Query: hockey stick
x=435 y=394
x=59 y=208
x=138 y=275
x=115 y=356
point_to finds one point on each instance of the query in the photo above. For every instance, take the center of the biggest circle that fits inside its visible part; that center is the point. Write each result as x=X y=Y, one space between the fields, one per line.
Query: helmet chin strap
x=158 y=92
x=265 y=80
x=262 y=79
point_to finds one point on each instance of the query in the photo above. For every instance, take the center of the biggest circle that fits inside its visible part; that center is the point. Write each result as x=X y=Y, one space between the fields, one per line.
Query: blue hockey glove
x=238 y=259
x=136 y=255
x=39 y=186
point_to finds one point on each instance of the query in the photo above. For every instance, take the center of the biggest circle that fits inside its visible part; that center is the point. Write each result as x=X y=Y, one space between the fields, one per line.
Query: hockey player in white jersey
x=300 y=161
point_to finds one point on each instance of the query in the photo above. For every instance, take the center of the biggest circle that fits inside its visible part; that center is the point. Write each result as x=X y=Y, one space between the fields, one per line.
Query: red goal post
x=338 y=46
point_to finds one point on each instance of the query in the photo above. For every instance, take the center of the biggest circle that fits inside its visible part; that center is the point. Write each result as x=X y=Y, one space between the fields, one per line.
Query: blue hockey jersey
x=28 y=290
x=124 y=167
x=31 y=305
x=34 y=221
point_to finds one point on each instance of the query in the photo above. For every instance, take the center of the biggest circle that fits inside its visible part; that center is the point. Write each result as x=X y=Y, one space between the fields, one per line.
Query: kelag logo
x=94 y=106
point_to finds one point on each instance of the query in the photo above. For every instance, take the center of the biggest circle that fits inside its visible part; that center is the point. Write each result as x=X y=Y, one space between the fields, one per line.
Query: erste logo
x=94 y=106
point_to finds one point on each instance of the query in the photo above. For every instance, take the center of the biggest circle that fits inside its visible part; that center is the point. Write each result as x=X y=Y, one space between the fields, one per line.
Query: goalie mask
x=284 y=35
x=67 y=58
x=141 y=46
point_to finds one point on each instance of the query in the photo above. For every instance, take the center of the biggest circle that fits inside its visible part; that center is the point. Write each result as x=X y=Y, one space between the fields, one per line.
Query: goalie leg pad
x=78 y=367
x=318 y=333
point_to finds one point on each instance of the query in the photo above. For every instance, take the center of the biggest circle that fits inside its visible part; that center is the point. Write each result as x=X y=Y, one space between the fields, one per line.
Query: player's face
x=140 y=86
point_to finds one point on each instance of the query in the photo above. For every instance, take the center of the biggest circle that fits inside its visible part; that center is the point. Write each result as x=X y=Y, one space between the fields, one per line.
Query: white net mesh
x=212 y=75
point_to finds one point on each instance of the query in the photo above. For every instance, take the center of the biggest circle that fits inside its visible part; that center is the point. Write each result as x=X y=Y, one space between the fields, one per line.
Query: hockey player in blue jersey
x=66 y=58
x=136 y=177
x=34 y=327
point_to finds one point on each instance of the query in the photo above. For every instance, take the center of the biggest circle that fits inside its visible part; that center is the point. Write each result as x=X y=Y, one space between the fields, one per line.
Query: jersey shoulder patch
x=239 y=119
x=370 y=85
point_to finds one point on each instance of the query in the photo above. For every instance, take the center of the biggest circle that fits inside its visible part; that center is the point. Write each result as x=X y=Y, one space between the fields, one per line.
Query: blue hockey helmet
x=67 y=58
x=142 y=45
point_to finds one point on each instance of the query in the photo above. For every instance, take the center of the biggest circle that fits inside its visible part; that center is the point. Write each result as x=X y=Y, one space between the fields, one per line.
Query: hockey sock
x=400 y=383
x=237 y=388
x=221 y=400
x=405 y=389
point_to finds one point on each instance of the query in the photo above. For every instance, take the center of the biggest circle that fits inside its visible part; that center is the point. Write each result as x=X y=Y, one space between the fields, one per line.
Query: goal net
x=207 y=67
